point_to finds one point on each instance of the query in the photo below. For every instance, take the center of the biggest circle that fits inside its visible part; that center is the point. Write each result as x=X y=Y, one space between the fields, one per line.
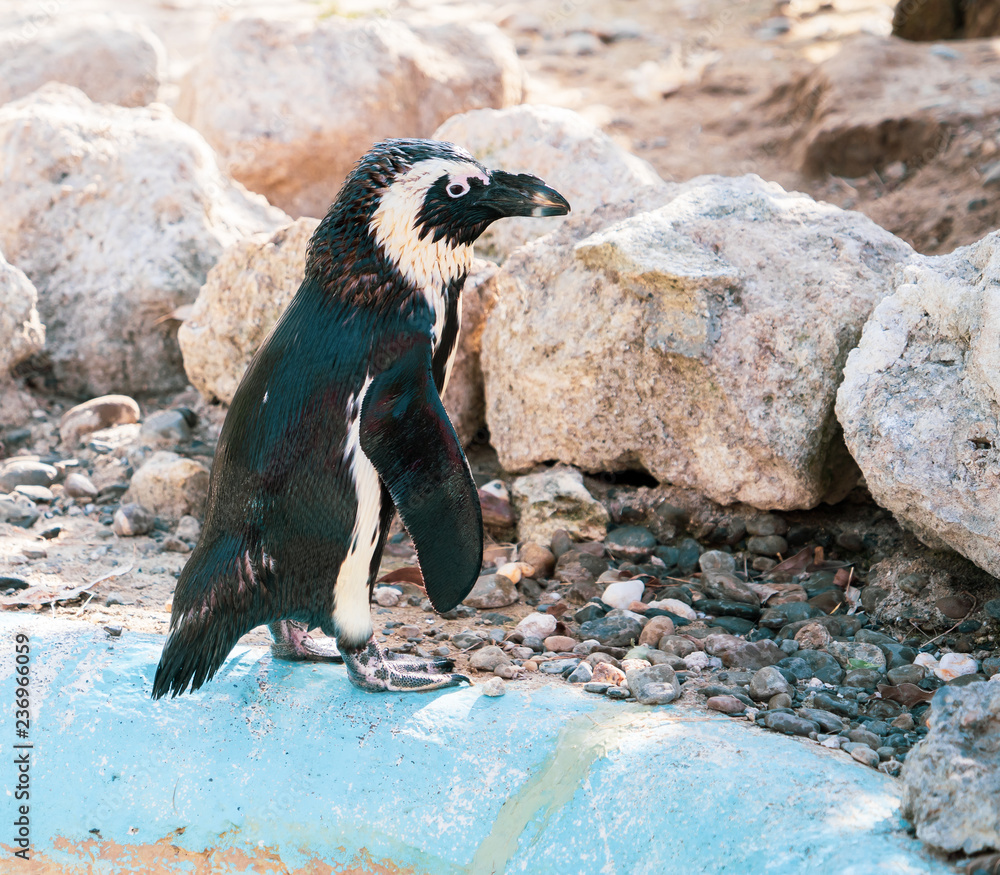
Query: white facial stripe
x=351 y=612
x=425 y=263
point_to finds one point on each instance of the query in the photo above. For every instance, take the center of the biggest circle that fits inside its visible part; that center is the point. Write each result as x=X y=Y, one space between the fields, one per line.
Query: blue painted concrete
x=276 y=767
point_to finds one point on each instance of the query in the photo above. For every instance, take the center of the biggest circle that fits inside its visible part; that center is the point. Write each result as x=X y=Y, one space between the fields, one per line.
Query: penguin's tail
x=215 y=603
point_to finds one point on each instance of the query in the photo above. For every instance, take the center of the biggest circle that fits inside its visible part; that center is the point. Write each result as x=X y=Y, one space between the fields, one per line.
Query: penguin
x=338 y=422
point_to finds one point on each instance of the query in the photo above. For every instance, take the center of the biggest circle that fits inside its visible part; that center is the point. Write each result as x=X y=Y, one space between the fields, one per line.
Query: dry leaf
x=906 y=694
x=45 y=594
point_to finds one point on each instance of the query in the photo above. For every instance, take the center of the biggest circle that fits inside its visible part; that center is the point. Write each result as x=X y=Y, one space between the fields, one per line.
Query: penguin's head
x=424 y=202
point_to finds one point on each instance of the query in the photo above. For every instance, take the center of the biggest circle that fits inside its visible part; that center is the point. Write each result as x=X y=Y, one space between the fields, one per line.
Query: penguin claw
x=373 y=669
x=293 y=642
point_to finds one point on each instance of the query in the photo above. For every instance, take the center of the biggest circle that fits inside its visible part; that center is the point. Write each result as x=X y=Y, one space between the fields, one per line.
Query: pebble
x=768 y=545
x=827 y=721
x=866 y=755
x=607 y=673
x=97 y=413
x=536 y=626
x=596 y=686
x=167 y=427
x=466 y=640
x=906 y=674
x=791 y=612
x=559 y=643
x=25 y=472
x=582 y=674
x=813 y=636
x=655 y=685
x=903 y=722
x=789 y=724
x=729 y=608
x=387 y=596
x=540 y=558
x=618 y=631
x=864 y=736
x=768 y=682
x=632 y=543
x=622 y=593
x=488 y=658
x=728 y=587
x=725 y=704
x=18 y=510
x=842 y=707
x=954 y=665
x=492 y=591
x=677 y=645
x=494 y=687
x=717 y=561
x=739 y=653
x=863 y=678
x=766 y=524
x=852 y=655
x=617 y=693
x=79 y=485
x=675 y=606
x=170 y=544
x=823 y=665
x=655 y=629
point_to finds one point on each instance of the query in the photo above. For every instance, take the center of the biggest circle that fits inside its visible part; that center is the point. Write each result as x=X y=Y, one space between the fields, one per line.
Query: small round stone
x=131 y=520
x=726 y=704
x=494 y=687
x=864 y=754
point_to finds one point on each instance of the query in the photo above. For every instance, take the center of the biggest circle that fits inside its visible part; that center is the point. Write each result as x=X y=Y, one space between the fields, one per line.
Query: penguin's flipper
x=410 y=441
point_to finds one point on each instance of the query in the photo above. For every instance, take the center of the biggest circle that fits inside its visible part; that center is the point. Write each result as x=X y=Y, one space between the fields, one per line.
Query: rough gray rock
x=492 y=591
x=170 y=486
x=21 y=332
x=110 y=58
x=701 y=340
x=578 y=159
x=291 y=105
x=95 y=414
x=115 y=215
x=921 y=396
x=656 y=685
x=951 y=779
x=557 y=499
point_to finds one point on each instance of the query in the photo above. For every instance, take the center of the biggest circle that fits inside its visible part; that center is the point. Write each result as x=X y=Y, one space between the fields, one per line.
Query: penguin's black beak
x=521 y=194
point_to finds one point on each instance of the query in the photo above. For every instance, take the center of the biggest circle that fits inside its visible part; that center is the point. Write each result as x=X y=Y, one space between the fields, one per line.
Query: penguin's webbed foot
x=292 y=641
x=373 y=669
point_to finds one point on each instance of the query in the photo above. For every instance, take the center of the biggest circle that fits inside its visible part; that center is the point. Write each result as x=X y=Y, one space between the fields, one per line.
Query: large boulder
x=880 y=100
x=116 y=215
x=578 y=159
x=951 y=779
x=252 y=284
x=291 y=105
x=701 y=340
x=921 y=398
x=110 y=59
x=21 y=336
x=21 y=332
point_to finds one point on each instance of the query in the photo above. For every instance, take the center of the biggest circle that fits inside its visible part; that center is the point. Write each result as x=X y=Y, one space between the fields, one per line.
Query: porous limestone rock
x=921 y=398
x=115 y=215
x=557 y=499
x=951 y=779
x=292 y=105
x=700 y=338
x=572 y=155
x=21 y=332
x=109 y=58
x=170 y=485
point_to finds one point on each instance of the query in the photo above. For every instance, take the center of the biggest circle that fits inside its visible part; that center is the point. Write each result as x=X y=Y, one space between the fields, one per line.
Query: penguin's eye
x=457 y=189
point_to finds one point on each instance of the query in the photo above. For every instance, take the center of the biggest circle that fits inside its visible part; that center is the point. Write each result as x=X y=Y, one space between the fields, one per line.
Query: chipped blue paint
x=292 y=759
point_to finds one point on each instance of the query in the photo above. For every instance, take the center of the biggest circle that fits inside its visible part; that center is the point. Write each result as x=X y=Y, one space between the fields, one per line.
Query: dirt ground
x=682 y=84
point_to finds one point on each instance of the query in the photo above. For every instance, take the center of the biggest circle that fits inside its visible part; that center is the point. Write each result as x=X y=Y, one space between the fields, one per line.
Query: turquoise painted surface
x=292 y=759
